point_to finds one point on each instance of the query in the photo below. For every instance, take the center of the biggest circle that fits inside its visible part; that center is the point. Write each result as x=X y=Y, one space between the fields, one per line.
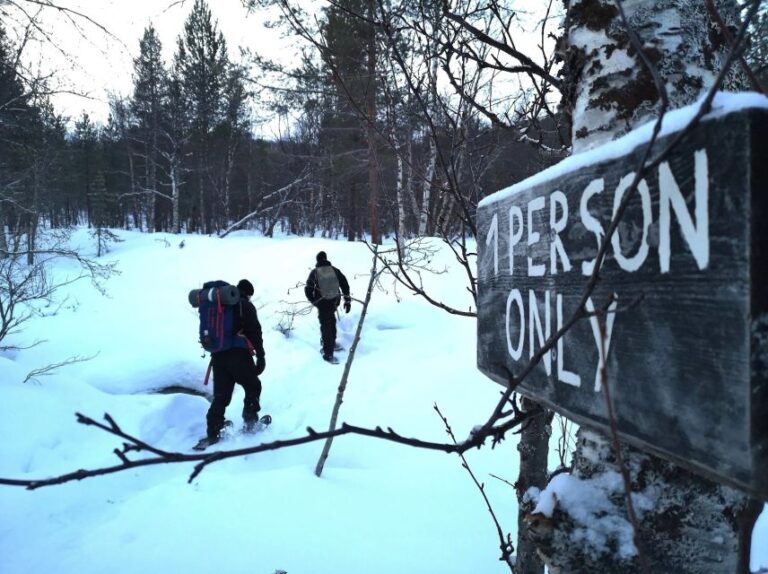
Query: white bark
x=151 y=184
x=3 y=238
x=612 y=90
x=688 y=525
x=429 y=173
x=692 y=524
x=176 y=224
x=427 y=187
x=409 y=179
x=399 y=191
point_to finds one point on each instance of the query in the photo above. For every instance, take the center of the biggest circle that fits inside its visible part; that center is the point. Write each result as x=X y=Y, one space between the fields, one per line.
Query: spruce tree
x=103 y=214
x=85 y=164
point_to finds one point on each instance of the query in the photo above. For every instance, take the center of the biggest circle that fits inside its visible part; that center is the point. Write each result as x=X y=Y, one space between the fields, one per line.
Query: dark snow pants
x=326 y=313
x=230 y=367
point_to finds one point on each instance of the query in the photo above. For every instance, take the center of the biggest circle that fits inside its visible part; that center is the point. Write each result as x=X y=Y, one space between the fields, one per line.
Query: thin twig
x=644 y=566
x=347 y=366
x=505 y=543
x=715 y=15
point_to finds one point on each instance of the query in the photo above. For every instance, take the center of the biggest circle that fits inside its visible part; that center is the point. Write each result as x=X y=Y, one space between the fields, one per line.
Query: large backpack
x=217 y=304
x=327 y=282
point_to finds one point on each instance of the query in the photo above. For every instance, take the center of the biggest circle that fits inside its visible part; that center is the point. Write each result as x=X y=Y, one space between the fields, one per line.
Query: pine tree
x=14 y=110
x=149 y=82
x=233 y=131
x=344 y=34
x=201 y=61
x=86 y=160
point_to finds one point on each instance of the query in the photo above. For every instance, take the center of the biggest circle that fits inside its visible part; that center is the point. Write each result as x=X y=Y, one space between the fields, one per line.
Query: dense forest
x=375 y=147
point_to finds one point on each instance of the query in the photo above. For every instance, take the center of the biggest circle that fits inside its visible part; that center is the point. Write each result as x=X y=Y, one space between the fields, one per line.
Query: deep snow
x=378 y=508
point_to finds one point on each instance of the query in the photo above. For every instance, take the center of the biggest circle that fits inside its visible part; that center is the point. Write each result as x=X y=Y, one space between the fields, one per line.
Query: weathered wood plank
x=688 y=343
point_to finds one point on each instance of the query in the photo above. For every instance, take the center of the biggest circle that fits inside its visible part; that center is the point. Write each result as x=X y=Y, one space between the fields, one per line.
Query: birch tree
x=610 y=88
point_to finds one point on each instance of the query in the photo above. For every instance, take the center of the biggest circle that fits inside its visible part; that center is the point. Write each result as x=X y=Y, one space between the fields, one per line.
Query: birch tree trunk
x=201 y=198
x=3 y=236
x=154 y=222
x=33 y=217
x=175 y=223
x=150 y=185
x=371 y=134
x=399 y=189
x=134 y=205
x=693 y=524
x=609 y=91
x=409 y=177
x=429 y=172
x=231 y=150
x=427 y=188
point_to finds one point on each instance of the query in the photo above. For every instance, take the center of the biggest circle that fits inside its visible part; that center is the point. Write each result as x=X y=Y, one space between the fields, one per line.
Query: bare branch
x=347 y=367
x=49 y=369
x=505 y=543
x=476 y=440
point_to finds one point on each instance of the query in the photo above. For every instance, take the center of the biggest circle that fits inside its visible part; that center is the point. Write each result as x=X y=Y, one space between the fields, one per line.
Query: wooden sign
x=686 y=284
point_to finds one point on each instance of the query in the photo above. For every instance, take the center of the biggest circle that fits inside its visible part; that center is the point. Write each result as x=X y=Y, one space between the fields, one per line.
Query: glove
x=261 y=364
x=347 y=305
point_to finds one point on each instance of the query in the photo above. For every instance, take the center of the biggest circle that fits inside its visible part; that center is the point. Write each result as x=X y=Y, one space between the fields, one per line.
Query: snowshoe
x=206 y=441
x=257 y=426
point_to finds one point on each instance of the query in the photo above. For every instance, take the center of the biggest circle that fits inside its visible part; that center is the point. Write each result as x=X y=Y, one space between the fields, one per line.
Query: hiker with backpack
x=324 y=288
x=231 y=332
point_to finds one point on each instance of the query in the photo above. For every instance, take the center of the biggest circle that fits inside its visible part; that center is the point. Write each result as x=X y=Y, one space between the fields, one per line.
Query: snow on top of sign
x=675 y=120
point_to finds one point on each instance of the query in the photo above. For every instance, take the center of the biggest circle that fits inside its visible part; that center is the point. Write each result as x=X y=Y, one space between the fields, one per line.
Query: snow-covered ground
x=378 y=508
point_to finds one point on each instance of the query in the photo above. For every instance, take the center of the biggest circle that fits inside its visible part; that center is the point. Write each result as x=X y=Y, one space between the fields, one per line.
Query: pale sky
x=88 y=60
x=85 y=59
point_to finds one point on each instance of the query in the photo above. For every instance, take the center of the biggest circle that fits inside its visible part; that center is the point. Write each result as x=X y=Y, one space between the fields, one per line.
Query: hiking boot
x=215 y=435
x=250 y=424
x=329 y=358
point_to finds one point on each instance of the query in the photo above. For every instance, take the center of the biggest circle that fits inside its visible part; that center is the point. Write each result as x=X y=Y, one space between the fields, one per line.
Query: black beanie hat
x=246 y=287
x=321 y=257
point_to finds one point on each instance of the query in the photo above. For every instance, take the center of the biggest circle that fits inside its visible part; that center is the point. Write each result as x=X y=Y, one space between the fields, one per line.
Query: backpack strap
x=248 y=344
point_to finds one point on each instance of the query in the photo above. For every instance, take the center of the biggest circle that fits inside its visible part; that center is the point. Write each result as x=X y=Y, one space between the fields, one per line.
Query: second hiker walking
x=324 y=288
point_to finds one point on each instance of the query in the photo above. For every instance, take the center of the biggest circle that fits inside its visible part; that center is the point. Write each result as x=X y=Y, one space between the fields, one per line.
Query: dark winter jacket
x=247 y=323
x=311 y=290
